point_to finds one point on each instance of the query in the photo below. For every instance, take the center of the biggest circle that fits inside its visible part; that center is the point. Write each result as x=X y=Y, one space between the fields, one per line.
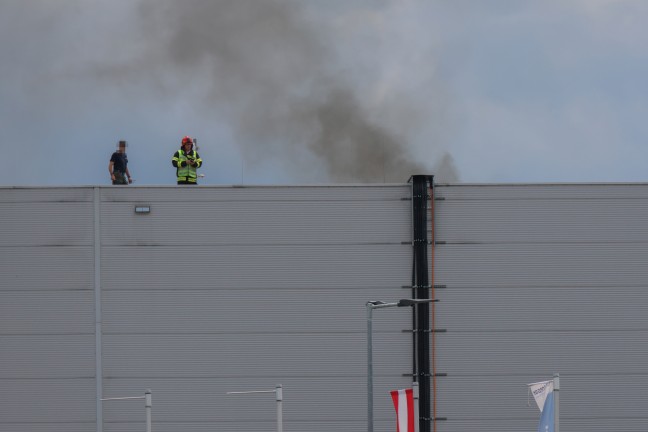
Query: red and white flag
x=404 y=404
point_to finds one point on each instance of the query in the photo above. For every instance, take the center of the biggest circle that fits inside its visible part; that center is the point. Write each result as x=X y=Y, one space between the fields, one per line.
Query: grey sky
x=325 y=91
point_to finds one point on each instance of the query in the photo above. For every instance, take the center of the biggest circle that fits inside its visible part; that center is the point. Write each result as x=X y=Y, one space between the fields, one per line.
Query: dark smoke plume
x=271 y=68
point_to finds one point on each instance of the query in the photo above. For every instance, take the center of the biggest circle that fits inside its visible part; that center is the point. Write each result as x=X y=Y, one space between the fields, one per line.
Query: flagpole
x=415 y=393
x=556 y=384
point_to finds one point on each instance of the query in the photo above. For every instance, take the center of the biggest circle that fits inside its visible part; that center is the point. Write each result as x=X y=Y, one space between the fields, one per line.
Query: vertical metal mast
x=421 y=287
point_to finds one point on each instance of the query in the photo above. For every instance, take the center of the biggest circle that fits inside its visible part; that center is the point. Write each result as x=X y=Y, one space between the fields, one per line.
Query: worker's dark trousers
x=120 y=178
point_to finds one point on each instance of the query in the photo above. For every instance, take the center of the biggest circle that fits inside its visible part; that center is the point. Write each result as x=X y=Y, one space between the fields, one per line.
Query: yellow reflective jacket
x=184 y=171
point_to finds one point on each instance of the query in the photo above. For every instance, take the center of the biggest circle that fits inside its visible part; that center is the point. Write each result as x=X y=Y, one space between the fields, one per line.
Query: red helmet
x=187 y=140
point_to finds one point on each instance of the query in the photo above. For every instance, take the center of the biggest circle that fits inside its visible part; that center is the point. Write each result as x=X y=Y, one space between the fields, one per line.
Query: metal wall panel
x=546 y=264
x=542 y=308
x=577 y=220
x=269 y=285
x=51 y=402
x=620 y=424
x=203 y=194
x=131 y=311
x=495 y=403
x=45 y=194
x=573 y=352
x=256 y=222
x=47 y=355
x=259 y=354
x=51 y=427
x=540 y=279
x=555 y=191
x=249 y=266
x=257 y=286
x=46 y=224
x=46 y=312
x=309 y=402
x=244 y=425
x=46 y=268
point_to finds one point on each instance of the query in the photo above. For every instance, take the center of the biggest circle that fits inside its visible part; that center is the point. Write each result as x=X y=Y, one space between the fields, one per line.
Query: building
x=219 y=289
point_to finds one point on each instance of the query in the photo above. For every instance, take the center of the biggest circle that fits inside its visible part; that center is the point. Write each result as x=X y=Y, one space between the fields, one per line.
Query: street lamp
x=148 y=404
x=371 y=305
x=278 y=391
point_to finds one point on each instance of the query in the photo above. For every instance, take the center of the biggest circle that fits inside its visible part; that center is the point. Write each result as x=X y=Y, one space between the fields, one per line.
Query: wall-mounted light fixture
x=142 y=209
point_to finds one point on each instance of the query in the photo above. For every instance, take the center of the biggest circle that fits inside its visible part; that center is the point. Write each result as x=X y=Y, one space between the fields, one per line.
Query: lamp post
x=278 y=391
x=556 y=389
x=148 y=405
x=371 y=305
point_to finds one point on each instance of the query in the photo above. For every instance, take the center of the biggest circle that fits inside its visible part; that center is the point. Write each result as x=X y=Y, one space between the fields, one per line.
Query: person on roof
x=118 y=166
x=187 y=161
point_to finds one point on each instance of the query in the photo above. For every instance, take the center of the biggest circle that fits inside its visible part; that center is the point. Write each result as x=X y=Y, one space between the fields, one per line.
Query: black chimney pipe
x=421 y=290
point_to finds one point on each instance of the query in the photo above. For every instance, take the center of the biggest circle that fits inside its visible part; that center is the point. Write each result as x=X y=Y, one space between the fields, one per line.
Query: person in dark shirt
x=118 y=166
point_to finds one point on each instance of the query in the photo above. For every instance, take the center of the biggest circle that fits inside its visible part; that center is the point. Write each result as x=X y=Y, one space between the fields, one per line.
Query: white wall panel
x=577 y=220
x=556 y=191
x=226 y=310
x=203 y=194
x=52 y=402
x=568 y=351
x=246 y=425
x=620 y=424
x=248 y=266
x=270 y=288
x=47 y=356
x=257 y=222
x=550 y=264
x=46 y=312
x=46 y=268
x=502 y=402
x=83 y=426
x=46 y=224
x=267 y=285
x=258 y=354
x=541 y=279
x=543 y=308
x=45 y=194
x=324 y=401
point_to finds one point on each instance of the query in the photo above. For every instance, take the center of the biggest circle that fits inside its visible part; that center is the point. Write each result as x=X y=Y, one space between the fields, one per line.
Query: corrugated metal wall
x=217 y=289
x=542 y=279
x=227 y=288
x=47 y=364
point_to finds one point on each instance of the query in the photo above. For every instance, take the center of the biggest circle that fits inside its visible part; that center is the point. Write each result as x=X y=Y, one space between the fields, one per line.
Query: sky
x=325 y=91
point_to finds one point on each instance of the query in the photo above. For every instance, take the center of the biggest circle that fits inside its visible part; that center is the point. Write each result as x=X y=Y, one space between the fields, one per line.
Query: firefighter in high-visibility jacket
x=186 y=161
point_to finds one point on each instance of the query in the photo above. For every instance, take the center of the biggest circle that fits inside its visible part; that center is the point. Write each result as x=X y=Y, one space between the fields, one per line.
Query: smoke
x=352 y=146
x=275 y=72
x=445 y=169
x=299 y=91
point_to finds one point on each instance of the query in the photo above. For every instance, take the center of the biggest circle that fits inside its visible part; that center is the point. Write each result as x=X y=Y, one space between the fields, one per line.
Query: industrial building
x=194 y=292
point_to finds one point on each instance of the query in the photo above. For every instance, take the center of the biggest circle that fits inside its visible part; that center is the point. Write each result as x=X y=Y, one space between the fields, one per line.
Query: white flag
x=540 y=390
